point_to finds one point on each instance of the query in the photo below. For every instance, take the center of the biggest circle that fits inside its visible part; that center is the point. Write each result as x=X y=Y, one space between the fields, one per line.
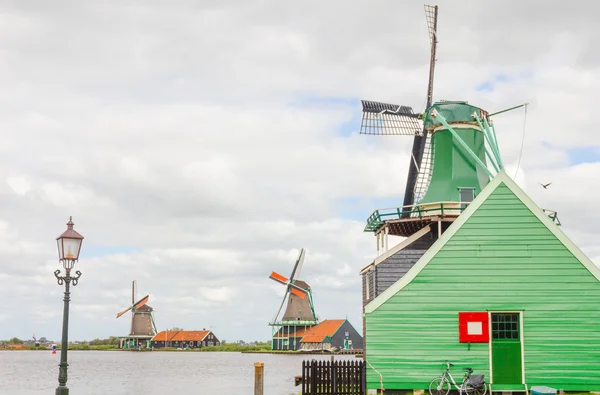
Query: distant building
x=326 y=335
x=330 y=334
x=185 y=339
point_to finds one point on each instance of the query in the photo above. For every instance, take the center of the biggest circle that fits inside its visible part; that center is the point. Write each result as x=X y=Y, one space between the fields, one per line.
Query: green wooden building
x=493 y=283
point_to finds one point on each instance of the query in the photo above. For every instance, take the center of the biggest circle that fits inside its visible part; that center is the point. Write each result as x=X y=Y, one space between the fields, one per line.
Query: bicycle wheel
x=480 y=391
x=476 y=391
x=439 y=386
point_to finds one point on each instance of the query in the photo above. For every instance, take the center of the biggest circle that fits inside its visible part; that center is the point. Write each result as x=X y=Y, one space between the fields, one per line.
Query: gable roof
x=501 y=178
x=400 y=246
x=178 y=336
x=319 y=332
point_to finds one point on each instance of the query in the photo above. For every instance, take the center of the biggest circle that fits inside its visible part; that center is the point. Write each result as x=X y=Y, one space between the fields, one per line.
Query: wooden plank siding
x=384 y=274
x=502 y=258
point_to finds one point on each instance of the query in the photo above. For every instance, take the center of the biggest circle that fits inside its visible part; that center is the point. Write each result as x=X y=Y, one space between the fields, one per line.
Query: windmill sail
x=299 y=309
x=298 y=266
x=425 y=171
x=420 y=141
x=389 y=119
x=295 y=292
x=142 y=319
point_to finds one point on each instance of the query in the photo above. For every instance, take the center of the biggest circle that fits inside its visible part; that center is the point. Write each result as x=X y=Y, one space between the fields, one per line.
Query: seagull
x=545 y=185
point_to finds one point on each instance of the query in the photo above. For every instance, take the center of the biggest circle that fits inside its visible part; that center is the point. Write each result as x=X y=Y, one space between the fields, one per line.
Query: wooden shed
x=503 y=290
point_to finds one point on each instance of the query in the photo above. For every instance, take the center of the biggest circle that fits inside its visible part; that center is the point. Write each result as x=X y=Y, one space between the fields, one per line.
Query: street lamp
x=69 y=245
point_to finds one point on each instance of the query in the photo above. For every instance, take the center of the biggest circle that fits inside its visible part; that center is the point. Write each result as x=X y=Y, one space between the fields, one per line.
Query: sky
x=199 y=145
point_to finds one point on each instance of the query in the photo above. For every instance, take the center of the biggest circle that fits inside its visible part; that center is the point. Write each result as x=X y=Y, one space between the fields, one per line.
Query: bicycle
x=471 y=385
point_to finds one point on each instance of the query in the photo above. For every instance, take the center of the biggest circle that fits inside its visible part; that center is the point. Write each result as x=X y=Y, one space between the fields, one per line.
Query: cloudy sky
x=199 y=145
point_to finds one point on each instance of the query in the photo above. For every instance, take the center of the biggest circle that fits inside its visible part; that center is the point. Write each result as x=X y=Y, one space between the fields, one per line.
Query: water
x=149 y=373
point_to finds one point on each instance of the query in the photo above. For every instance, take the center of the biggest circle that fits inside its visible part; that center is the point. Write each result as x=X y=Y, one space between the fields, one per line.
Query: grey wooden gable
x=382 y=275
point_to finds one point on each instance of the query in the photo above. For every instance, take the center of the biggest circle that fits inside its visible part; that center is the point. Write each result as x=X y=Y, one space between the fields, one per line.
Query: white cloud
x=199 y=146
x=19 y=185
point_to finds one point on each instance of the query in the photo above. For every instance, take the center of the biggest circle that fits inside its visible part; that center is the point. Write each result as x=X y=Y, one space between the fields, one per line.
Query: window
x=346 y=333
x=505 y=326
x=466 y=196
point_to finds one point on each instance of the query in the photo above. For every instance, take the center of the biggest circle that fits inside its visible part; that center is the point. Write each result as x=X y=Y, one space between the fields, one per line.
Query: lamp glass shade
x=68 y=248
x=69 y=244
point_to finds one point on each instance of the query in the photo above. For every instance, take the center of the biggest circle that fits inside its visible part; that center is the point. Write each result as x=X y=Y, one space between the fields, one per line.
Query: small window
x=347 y=334
x=505 y=326
x=466 y=196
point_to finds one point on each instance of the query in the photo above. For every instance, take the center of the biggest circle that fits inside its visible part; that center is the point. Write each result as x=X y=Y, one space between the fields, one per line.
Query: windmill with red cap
x=143 y=327
x=299 y=314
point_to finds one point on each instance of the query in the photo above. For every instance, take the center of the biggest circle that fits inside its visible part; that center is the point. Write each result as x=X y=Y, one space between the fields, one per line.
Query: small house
x=501 y=290
x=185 y=339
x=331 y=334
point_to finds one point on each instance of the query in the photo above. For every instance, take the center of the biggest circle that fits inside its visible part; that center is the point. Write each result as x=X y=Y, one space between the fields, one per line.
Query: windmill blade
x=312 y=306
x=424 y=171
x=133 y=292
x=153 y=323
x=281 y=306
x=297 y=266
x=389 y=119
x=431 y=17
x=124 y=311
x=299 y=292
x=140 y=302
x=278 y=277
x=419 y=144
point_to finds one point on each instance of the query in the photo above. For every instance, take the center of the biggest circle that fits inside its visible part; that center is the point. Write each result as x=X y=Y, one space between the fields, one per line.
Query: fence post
x=363 y=373
x=313 y=377
x=259 y=378
x=333 y=376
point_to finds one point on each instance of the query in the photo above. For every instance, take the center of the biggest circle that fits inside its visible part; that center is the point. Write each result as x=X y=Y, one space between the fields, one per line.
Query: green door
x=507 y=364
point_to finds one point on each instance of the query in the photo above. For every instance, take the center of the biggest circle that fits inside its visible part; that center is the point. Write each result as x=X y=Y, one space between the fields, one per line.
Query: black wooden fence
x=333 y=378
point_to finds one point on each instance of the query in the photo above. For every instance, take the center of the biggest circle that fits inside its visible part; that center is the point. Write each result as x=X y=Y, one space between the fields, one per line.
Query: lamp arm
x=67 y=278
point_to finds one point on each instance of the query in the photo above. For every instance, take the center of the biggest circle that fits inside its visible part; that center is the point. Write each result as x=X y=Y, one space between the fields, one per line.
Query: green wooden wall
x=502 y=258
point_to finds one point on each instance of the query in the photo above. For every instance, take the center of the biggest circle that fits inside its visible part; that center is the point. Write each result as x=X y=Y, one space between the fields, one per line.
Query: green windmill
x=454 y=155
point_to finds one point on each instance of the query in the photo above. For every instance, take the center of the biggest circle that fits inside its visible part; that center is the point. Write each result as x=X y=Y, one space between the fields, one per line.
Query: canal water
x=150 y=373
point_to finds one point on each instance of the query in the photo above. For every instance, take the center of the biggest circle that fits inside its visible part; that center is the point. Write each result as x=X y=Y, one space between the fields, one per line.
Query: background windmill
x=143 y=327
x=299 y=314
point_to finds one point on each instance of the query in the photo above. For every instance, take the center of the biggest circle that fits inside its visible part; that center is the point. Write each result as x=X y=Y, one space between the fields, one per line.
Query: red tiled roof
x=318 y=333
x=180 y=336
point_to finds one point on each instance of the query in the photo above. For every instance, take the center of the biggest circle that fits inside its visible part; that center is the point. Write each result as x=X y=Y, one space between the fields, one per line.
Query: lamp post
x=69 y=245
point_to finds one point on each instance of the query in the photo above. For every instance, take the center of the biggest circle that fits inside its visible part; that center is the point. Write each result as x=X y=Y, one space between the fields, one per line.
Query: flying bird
x=545 y=185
